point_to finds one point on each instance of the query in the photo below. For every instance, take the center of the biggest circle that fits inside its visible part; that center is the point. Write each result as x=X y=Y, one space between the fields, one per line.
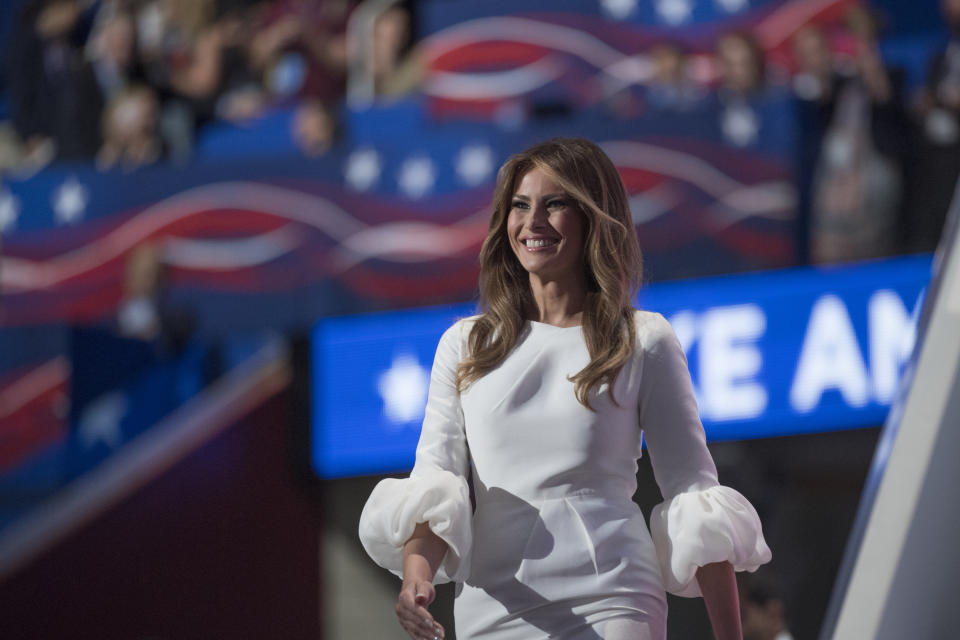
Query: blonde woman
x=541 y=401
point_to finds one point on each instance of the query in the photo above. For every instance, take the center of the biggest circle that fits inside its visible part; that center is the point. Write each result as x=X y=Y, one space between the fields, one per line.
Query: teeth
x=539 y=243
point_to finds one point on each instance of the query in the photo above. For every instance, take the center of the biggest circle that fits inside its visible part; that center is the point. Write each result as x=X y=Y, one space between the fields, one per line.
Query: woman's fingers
x=419 y=627
x=413 y=616
x=421 y=633
x=420 y=622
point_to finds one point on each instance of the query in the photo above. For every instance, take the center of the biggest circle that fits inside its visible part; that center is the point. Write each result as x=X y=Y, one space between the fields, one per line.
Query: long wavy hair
x=611 y=259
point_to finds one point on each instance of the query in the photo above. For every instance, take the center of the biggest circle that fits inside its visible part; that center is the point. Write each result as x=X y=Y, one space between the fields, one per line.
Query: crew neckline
x=553 y=326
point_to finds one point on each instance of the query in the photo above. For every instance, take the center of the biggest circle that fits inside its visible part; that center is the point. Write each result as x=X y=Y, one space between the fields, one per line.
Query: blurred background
x=232 y=232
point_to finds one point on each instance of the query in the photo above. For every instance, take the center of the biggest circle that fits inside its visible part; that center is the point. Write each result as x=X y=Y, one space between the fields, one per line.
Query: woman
x=541 y=399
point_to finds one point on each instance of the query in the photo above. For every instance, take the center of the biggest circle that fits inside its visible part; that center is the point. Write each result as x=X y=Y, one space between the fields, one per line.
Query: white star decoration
x=475 y=164
x=403 y=388
x=70 y=201
x=732 y=6
x=740 y=125
x=674 y=11
x=9 y=210
x=417 y=176
x=363 y=169
x=100 y=421
x=618 y=9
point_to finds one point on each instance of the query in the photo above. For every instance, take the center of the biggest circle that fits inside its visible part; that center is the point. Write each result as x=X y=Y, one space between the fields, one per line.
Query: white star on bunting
x=417 y=176
x=100 y=421
x=674 y=12
x=618 y=9
x=740 y=125
x=732 y=6
x=70 y=201
x=475 y=164
x=9 y=210
x=363 y=169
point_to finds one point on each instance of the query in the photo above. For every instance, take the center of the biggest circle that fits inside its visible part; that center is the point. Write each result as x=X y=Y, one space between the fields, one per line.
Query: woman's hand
x=422 y=554
x=416 y=595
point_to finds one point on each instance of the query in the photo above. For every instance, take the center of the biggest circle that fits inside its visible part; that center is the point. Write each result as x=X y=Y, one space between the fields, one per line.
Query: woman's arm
x=422 y=555
x=718 y=583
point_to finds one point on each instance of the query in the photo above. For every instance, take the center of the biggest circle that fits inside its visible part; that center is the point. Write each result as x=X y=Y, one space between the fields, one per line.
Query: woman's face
x=546 y=228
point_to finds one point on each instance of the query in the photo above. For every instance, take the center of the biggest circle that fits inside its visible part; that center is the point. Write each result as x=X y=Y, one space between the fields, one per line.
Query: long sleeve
x=699 y=521
x=436 y=491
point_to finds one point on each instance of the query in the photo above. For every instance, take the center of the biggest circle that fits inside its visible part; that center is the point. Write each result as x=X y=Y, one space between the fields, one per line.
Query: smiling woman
x=542 y=398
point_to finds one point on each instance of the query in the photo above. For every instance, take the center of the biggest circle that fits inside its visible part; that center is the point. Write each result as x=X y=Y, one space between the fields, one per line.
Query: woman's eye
x=556 y=204
x=519 y=204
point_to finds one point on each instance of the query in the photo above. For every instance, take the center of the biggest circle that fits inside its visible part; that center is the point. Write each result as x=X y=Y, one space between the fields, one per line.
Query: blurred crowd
x=131 y=82
x=877 y=161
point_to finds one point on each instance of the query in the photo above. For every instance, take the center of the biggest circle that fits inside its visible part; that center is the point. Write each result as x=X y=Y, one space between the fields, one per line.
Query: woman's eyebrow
x=549 y=196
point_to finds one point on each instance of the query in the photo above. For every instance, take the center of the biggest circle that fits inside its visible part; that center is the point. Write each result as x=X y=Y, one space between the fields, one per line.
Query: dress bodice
x=528 y=434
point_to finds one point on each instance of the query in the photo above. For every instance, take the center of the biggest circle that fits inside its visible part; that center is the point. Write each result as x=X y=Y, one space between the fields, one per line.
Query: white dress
x=556 y=547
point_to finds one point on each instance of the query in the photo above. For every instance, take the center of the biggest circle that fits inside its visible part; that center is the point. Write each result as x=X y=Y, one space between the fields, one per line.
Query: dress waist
x=614 y=497
x=564 y=541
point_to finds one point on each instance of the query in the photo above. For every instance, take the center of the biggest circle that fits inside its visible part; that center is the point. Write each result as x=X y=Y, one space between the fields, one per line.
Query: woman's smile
x=539 y=244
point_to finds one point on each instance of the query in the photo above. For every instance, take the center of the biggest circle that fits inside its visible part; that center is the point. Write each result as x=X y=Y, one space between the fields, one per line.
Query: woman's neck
x=557 y=302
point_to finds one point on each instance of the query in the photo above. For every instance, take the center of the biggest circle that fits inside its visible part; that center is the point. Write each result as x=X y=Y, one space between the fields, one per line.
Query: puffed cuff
x=698 y=527
x=437 y=497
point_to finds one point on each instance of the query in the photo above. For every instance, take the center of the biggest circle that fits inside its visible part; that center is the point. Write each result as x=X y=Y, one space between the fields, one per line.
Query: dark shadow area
x=221 y=545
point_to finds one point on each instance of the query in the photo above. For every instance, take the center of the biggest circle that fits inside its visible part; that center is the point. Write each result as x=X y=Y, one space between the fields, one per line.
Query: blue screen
x=777 y=353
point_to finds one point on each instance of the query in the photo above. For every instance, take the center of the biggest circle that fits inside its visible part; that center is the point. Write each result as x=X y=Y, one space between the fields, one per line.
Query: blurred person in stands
x=671 y=88
x=396 y=64
x=299 y=48
x=242 y=94
x=314 y=128
x=130 y=130
x=815 y=85
x=742 y=73
x=12 y=152
x=54 y=95
x=816 y=76
x=112 y=50
x=762 y=611
x=145 y=311
x=182 y=52
x=138 y=315
x=935 y=166
x=856 y=187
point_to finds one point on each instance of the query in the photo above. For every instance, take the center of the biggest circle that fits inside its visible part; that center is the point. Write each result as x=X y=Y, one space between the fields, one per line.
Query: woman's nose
x=538 y=215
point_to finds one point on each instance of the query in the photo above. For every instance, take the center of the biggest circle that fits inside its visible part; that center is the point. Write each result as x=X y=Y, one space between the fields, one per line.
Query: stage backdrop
x=787 y=352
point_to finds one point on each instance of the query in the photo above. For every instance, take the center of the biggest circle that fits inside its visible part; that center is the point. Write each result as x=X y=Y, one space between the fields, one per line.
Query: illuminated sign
x=776 y=353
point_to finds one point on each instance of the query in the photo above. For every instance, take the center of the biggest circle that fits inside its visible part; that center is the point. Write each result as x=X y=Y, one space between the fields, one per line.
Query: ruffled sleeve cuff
x=437 y=497
x=696 y=528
